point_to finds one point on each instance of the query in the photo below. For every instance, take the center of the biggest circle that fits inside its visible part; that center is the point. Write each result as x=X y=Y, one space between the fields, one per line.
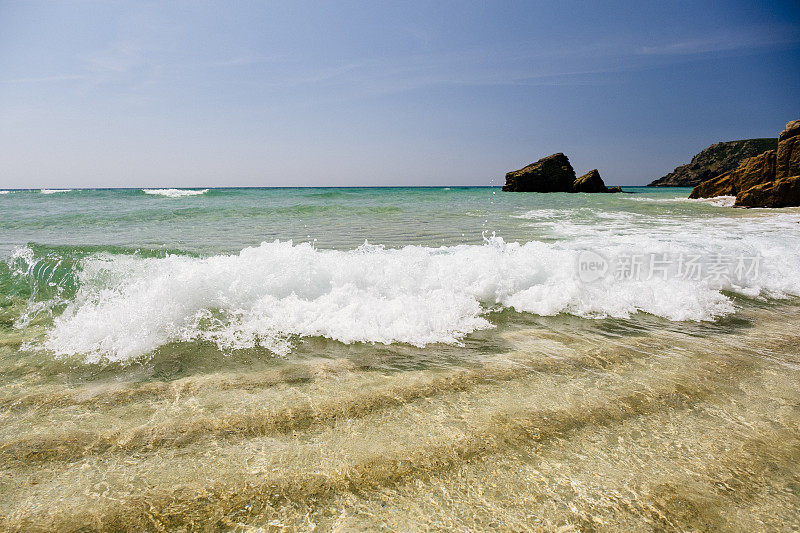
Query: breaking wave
x=124 y=306
x=716 y=201
x=175 y=193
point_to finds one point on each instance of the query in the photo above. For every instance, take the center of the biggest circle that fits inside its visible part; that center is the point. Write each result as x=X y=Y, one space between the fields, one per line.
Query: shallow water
x=163 y=369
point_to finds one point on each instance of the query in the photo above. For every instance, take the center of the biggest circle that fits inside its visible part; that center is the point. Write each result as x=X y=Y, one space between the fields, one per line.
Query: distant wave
x=4 y=192
x=53 y=191
x=175 y=193
x=545 y=213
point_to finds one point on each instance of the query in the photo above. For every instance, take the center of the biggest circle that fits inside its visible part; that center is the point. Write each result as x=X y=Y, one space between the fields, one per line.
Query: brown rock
x=771 y=179
x=783 y=192
x=788 y=157
x=754 y=171
x=792 y=129
x=589 y=182
x=553 y=173
x=719 y=186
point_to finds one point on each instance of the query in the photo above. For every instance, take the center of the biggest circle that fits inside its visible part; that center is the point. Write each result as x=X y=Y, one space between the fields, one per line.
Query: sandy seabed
x=552 y=424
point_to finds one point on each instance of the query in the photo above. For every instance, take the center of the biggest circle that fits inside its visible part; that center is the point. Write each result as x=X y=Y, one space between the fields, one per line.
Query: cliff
x=717 y=159
x=770 y=179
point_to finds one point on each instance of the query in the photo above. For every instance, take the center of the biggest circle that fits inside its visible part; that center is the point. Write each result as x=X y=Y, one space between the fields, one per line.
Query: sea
x=397 y=359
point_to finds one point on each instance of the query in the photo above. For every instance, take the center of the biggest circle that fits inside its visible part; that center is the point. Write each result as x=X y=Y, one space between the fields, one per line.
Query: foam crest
x=175 y=193
x=271 y=294
x=536 y=214
x=54 y=191
x=716 y=201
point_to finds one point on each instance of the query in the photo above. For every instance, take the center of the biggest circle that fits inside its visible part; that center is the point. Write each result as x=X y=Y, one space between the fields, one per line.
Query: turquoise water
x=397 y=359
x=227 y=220
x=115 y=274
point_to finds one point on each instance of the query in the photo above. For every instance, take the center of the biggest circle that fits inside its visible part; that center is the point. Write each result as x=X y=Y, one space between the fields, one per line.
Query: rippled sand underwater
x=542 y=424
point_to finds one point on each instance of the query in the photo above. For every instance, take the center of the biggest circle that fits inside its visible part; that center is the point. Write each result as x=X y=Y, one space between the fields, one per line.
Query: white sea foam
x=270 y=294
x=657 y=200
x=4 y=192
x=175 y=193
x=717 y=201
x=537 y=214
x=53 y=191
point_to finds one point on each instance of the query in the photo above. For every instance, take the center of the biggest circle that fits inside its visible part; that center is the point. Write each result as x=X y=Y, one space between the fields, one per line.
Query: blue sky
x=109 y=94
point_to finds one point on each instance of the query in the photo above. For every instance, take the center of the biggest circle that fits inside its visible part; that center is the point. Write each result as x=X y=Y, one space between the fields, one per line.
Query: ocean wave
x=272 y=294
x=564 y=217
x=175 y=193
x=536 y=214
x=717 y=201
x=53 y=191
x=5 y=192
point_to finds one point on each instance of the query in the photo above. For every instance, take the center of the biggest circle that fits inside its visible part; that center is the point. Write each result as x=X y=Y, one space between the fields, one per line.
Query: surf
x=122 y=306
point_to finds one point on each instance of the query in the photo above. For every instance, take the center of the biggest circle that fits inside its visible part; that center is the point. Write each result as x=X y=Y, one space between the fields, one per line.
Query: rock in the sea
x=553 y=173
x=717 y=159
x=770 y=179
x=589 y=182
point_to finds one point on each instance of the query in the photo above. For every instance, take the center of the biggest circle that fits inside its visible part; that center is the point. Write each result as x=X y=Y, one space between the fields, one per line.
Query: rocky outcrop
x=549 y=174
x=783 y=192
x=717 y=159
x=554 y=173
x=770 y=179
x=788 y=156
x=719 y=186
x=754 y=171
x=589 y=182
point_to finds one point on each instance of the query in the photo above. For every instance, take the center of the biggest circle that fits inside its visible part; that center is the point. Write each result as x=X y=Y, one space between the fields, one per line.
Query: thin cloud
x=703 y=46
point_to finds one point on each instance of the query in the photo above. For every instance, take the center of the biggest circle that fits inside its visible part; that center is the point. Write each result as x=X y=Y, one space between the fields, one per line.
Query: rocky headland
x=770 y=179
x=554 y=173
x=719 y=158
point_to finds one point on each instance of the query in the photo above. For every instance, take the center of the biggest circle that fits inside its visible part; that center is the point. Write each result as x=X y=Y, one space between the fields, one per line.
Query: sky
x=191 y=94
